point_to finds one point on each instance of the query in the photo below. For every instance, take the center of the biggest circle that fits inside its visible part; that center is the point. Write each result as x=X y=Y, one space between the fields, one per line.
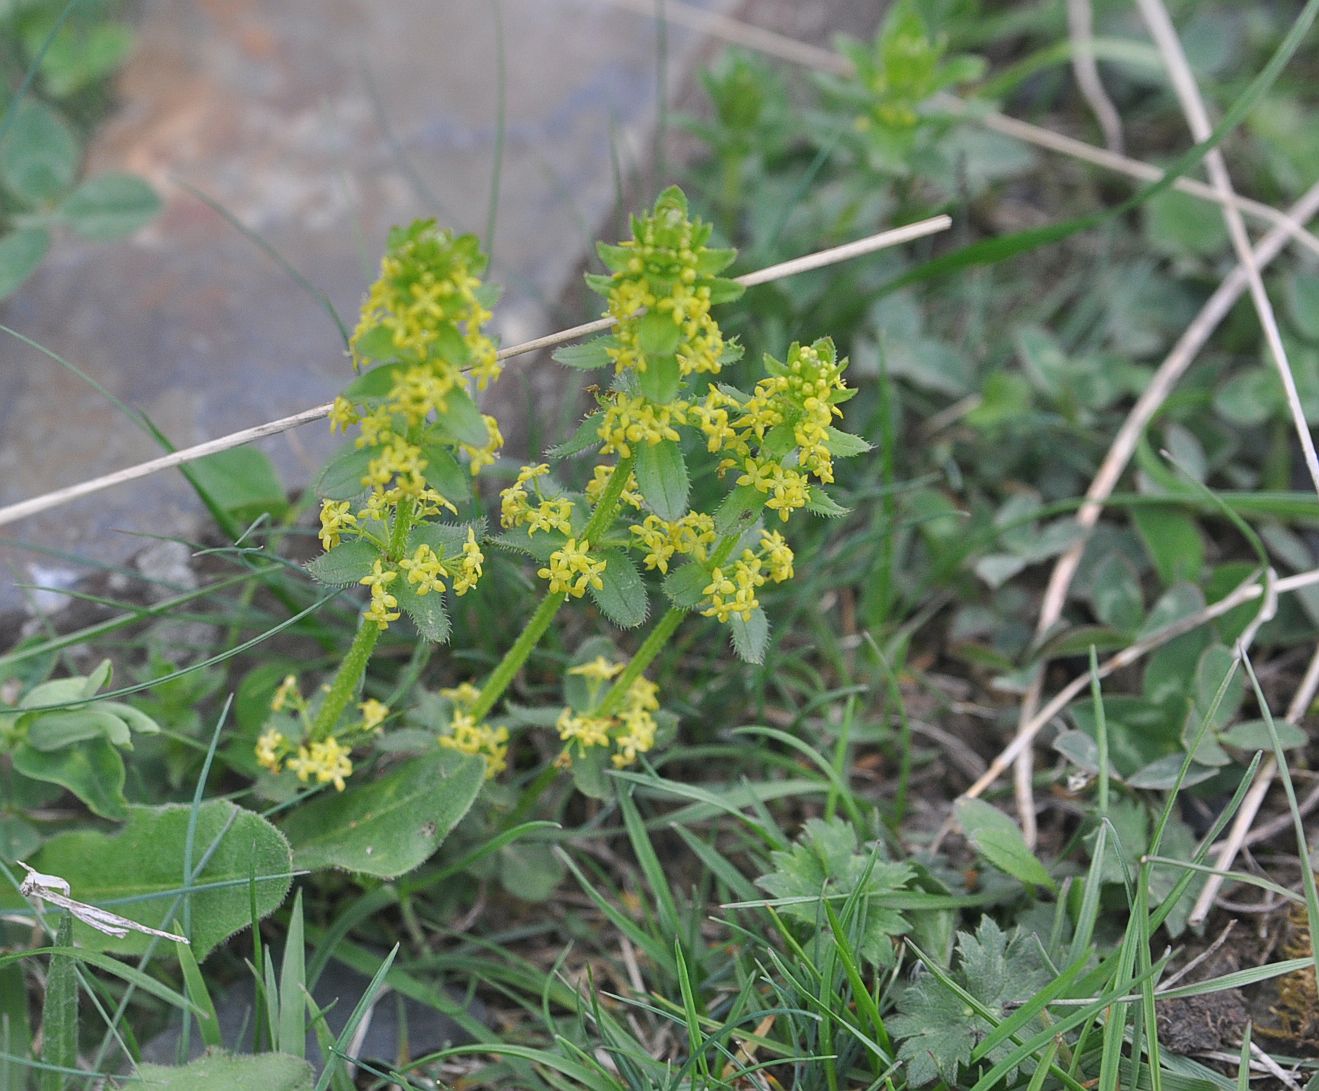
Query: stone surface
x=316 y=124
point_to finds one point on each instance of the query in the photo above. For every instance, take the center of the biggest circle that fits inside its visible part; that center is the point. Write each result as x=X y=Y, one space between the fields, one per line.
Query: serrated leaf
x=20 y=253
x=586 y=437
x=40 y=154
x=821 y=503
x=662 y=478
x=345 y=564
x=426 y=611
x=463 y=420
x=750 y=637
x=392 y=825
x=685 y=586
x=137 y=869
x=623 y=598
x=447 y=539
x=539 y=545
x=723 y=290
x=615 y=257
x=999 y=840
x=740 y=509
x=110 y=205
x=341 y=479
x=444 y=474
x=93 y=771
x=599 y=284
x=845 y=445
x=661 y=380
x=585 y=357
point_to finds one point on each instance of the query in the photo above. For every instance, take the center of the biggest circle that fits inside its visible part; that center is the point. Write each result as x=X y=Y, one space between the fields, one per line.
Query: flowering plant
x=420 y=350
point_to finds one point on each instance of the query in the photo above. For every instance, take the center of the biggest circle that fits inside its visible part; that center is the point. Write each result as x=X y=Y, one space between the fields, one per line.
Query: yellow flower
x=269 y=748
x=425 y=569
x=631 y=419
x=327 y=761
x=586 y=731
x=335 y=518
x=598 y=669
x=555 y=514
x=600 y=478
x=343 y=415
x=571 y=570
x=472 y=565
x=777 y=554
x=286 y=694
x=462 y=694
x=373 y=713
x=469 y=737
x=481 y=457
x=381 y=611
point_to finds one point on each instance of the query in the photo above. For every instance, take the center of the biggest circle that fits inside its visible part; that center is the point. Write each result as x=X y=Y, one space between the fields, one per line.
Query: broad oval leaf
x=93 y=771
x=145 y=860
x=226 y=1072
x=39 y=156
x=110 y=205
x=341 y=479
x=999 y=840
x=392 y=825
x=20 y=253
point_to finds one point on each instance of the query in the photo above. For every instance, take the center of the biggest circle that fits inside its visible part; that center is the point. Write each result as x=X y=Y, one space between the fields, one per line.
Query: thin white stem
x=1197 y=117
x=823 y=60
x=1080 y=27
x=1246 y=592
x=1250 y=805
x=831 y=256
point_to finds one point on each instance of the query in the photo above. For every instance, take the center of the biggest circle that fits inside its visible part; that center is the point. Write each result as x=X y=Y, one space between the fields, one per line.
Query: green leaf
x=1300 y=291
x=391 y=826
x=662 y=478
x=821 y=503
x=59 y=1011
x=999 y=840
x=661 y=380
x=530 y=870
x=1173 y=541
x=93 y=771
x=585 y=357
x=750 y=637
x=20 y=253
x=1254 y=735
x=345 y=564
x=72 y=62
x=463 y=420
x=110 y=205
x=1178 y=224
x=1116 y=596
x=137 y=870
x=426 y=611
x=740 y=509
x=376 y=344
x=60 y=728
x=939 y=1029
x=586 y=437
x=845 y=445
x=686 y=586
x=341 y=479
x=225 y=1072
x=826 y=860
x=444 y=474
x=40 y=154
x=623 y=598
x=243 y=482
x=658 y=334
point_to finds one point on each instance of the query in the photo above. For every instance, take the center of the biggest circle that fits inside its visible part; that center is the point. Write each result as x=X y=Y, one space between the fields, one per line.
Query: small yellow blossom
x=600 y=478
x=343 y=415
x=586 y=731
x=424 y=569
x=481 y=457
x=381 y=611
x=373 y=713
x=464 y=694
x=631 y=419
x=335 y=519
x=571 y=570
x=598 y=669
x=469 y=737
x=286 y=694
x=327 y=761
x=472 y=564
x=555 y=514
x=270 y=748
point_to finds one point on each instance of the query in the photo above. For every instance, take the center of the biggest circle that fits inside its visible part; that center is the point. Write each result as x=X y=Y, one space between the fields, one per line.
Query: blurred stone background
x=318 y=124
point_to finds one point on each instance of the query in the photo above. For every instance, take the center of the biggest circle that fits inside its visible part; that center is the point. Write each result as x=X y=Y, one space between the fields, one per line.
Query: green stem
x=503 y=674
x=657 y=638
x=344 y=687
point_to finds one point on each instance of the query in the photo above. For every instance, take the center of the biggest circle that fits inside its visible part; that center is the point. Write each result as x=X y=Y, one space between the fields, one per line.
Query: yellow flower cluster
x=571 y=570
x=600 y=478
x=665 y=269
x=427 y=304
x=469 y=737
x=382 y=609
x=629 y=733
x=471 y=565
x=732 y=592
x=690 y=536
x=630 y=419
x=326 y=760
